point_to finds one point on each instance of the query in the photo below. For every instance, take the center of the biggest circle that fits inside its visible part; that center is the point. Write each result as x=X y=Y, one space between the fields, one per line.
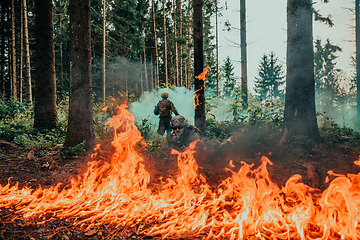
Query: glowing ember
x=246 y=205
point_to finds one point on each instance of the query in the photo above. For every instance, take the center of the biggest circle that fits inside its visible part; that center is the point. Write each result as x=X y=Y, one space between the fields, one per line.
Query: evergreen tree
x=270 y=77
x=209 y=45
x=327 y=82
x=227 y=73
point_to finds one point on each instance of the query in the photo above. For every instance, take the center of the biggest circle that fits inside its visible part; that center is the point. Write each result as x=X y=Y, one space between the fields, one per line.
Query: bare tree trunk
x=243 y=53
x=13 y=52
x=357 y=40
x=156 y=70
x=217 y=48
x=199 y=67
x=145 y=66
x=80 y=123
x=165 y=47
x=176 y=80
x=21 y=53
x=104 y=52
x=189 y=74
x=27 y=56
x=300 y=112
x=2 y=62
x=152 y=73
x=180 y=47
x=45 y=84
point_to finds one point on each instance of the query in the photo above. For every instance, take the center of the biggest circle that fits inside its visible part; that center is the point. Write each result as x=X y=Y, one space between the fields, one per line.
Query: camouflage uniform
x=190 y=134
x=164 y=109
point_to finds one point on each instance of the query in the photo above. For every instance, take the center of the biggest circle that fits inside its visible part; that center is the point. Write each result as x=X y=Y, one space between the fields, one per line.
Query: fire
x=202 y=77
x=247 y=205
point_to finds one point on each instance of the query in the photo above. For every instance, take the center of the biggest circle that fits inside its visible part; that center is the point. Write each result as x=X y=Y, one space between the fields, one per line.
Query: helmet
x=164 y=95
x=178 y=121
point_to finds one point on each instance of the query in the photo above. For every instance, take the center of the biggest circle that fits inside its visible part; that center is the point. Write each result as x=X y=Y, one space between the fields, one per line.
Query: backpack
x=164 y=108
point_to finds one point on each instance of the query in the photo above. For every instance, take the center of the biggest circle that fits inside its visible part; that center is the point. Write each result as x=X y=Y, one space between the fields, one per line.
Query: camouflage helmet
x=164 y=95
x=178 y=121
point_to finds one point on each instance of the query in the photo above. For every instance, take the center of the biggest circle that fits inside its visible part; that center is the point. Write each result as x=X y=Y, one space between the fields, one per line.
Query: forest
x=80 y=157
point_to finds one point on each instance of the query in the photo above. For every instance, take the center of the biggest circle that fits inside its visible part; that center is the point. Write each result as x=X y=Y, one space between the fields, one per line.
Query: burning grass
x=115 y=197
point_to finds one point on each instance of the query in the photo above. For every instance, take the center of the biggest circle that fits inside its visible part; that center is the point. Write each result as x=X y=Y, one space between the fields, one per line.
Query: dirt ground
x=34 y=167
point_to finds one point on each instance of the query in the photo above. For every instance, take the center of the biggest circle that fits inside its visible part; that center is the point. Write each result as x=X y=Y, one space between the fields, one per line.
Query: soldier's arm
x=173 y=108
x=156 y=110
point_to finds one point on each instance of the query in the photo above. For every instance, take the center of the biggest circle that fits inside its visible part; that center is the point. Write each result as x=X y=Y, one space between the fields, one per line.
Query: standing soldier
x=164 y=109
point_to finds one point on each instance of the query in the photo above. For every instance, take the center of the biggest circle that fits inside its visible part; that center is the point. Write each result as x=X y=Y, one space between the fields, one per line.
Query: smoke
x=183 y=100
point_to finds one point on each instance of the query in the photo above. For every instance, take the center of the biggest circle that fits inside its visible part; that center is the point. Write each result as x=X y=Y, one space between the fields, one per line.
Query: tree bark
x=45 y=83
x=27 y=56
x=176 y=80
x=165 y=47
x=243 y=53
x=21 y=56
x=188 y=62
x=145 y=66
x=217 y=48
x=2 y=57
x=103 y=52
x=180 y=47
x=80 y=123
x=13 y=52
x=156 y=70
x=357 y=40
x=300 y=115
x=198 y=67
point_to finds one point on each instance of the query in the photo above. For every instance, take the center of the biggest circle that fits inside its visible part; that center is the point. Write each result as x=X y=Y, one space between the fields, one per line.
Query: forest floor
x=42 y=166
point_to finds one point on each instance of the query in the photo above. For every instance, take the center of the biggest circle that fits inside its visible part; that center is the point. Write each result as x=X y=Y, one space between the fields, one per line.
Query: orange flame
x=202 y=77
x=244 y=206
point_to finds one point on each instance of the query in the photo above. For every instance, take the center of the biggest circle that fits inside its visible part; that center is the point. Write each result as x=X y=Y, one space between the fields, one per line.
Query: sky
x=266 y=32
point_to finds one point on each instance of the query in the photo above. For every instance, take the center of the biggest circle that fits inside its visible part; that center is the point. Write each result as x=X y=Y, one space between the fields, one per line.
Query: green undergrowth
x=257 y=127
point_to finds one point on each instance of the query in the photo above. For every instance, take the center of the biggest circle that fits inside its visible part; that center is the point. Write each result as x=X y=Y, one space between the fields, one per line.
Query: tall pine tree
x=271 y=77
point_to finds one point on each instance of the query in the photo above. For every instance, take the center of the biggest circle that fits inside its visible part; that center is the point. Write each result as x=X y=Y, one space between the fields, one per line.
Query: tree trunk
x=243 y=53
x=21 y=53
x=27 y=56
x=180 y=47
x=165 y=48
x=145 y=66
x=45 y=83
x=217 y=48
x=156 y=60
x=13 y=52
x=198 y=67
x=299 y=115
x=2 y=57
x=188 y=62
x=357 y=40
x=177 y=82
x=80 y=123
x=152 y=73
x=103 y=52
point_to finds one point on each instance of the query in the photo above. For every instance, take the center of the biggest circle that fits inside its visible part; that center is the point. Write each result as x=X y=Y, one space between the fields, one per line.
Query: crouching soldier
x=183 y=133
x=164 y=109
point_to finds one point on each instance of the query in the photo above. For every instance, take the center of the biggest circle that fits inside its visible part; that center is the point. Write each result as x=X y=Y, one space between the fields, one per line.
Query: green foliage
x=70 y=152
x=145 y=128
x=334 y=133
x=227 y=77
x=16 y=125
x=267 y=114
x=270 y=77
x=329 y=92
